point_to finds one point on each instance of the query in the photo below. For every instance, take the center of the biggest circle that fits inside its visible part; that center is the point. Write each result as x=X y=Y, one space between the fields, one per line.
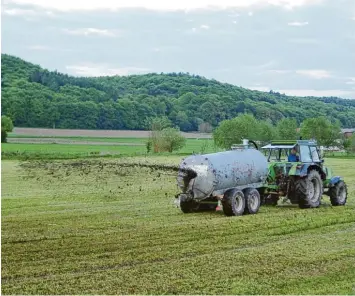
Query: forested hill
x=35 y=97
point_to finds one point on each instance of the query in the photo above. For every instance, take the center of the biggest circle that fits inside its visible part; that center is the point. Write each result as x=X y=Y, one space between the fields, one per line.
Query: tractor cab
x=306 y=151
x=282 y=166
x=278 y=152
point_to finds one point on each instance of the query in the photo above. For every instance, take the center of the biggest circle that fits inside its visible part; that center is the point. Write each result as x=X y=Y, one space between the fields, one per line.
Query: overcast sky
x=300 y=47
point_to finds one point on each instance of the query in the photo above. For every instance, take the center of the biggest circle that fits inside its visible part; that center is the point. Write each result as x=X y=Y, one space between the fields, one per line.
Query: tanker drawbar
x=232 y=177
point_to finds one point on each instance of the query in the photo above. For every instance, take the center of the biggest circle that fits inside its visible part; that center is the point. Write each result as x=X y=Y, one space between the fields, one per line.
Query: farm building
x=348 y=132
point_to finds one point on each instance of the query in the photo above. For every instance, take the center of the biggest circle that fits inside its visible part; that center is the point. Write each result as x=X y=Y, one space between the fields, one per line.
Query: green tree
x=167 y=139
x=349 y=144
x=157 y=123
x=321 y=129
x=6 y=126
x=266 y=131
x=35 y=97
x=287 y=129
x=172 y=139
x=163 y=137
x=232 y=131
x=182 y=120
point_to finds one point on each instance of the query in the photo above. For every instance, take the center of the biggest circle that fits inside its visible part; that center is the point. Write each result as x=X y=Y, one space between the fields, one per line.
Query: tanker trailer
x=233 y=177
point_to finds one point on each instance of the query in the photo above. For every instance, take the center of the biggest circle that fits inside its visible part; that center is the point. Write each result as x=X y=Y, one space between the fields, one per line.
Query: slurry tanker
x=243 y=178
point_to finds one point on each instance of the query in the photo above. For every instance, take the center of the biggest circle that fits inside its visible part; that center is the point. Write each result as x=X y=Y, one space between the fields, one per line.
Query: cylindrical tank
x=223 y=170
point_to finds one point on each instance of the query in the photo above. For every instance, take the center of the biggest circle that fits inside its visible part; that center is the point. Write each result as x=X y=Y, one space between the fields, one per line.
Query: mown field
x=106 y=226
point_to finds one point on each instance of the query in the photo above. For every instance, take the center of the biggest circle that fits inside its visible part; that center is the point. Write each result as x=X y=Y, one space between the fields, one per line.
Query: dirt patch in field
x=68 y=141
x=42 y=132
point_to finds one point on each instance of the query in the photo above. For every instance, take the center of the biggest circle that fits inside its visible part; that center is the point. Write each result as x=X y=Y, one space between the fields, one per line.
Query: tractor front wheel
x=338 y=194
x=309 y=190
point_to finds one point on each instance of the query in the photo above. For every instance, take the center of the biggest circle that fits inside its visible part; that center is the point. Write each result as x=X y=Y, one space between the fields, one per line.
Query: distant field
x=101 y=227
x=57 y=143
x=12 y=138
x=78 y=140
x=73 y=148
x=66 y=150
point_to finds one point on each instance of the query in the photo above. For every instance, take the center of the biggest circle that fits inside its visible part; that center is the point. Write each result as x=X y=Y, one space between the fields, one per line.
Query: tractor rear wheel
x=233 y=203
x=338 y=194
x=309 y=190
x=252 y=201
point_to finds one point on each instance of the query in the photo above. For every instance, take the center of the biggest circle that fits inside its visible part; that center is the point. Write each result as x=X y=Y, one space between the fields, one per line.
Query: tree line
x=326 y=132
x=36 y=97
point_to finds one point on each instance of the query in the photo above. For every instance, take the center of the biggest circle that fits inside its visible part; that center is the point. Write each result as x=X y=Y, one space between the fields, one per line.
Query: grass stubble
x=107 y=227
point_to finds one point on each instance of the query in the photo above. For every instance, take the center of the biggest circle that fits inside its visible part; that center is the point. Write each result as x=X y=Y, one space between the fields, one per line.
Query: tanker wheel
x=252 y=201
x=338 y=194
x=233 y=203
x=309 y=190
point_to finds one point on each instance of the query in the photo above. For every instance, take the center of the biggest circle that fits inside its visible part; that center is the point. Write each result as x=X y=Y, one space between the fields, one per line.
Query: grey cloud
x=261 y=48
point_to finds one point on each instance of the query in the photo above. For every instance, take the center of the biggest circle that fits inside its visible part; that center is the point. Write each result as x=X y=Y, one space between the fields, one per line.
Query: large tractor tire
x=252 y=201
x=233 y=203
x=338 y=194
x=309 y=190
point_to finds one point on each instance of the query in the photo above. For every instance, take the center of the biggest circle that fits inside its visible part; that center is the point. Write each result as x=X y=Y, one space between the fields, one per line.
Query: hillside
x=35 y=97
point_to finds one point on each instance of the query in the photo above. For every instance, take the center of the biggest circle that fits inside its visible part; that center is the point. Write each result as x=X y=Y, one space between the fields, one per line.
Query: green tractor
x=296 y=171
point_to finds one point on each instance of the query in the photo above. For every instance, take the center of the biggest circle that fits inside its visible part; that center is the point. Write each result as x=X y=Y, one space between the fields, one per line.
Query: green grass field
x=45 y=150
x=100 y=227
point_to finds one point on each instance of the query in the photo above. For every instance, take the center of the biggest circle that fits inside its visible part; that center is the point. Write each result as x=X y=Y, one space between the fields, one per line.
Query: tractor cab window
x=279 y=154
x=305 y=153
x=315 y=155
x=274 y=155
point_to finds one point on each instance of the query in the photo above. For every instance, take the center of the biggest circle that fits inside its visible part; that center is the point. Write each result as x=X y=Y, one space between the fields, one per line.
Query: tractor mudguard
x=333 y=181
x=301 y=169
x=304 y=170
x=298 y=169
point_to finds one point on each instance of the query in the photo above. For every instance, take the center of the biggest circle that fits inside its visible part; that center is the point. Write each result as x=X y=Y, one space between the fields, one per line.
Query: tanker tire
x=252 y=201
x=338 y=194
x=309 y=190
x=233 y=203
